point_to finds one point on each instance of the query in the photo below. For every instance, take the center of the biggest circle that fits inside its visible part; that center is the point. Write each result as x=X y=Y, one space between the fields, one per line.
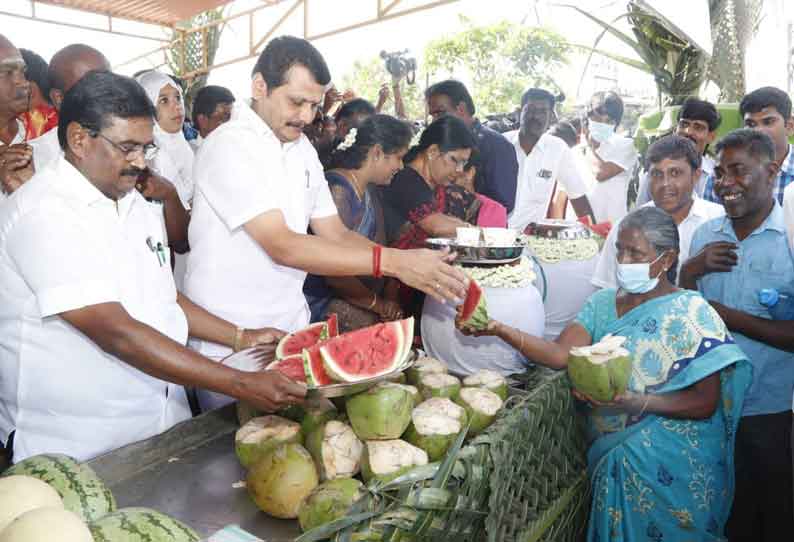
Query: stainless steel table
x=189 y=473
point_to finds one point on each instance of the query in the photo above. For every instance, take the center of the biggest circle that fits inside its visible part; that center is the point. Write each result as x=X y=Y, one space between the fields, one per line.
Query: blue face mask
x=635 y=278
x=600 y=131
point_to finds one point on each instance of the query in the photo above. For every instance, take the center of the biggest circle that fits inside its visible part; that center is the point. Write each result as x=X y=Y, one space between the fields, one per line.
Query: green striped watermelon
x=141 y=525
x=82 y=491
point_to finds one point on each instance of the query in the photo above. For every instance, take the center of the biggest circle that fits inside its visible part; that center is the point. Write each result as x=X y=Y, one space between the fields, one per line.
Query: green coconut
x=434 y=425
x=328 y=502
x=317 y=412
x=281 y=479
x=335 y=449
x=385 y=460
x=399 y=378
x=481 y=406
x=383 y=412
x=488 y=379
x=422 y=366
x=261 y=435
x=414 y=391
x=439 y=385
x=602 y=370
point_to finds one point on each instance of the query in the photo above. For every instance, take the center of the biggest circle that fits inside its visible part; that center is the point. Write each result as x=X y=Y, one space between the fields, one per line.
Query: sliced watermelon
x=333 y=326
x=313 y=367
x=408 y=334
x=474 y=313
x=294 y=343
x=291 y=366
x=364 y=353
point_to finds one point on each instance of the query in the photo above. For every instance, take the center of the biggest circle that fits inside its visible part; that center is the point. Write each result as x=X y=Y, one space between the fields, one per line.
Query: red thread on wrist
x=376 y=271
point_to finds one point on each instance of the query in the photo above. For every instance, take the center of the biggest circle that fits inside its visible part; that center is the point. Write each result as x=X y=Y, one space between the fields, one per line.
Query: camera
x=400 y=65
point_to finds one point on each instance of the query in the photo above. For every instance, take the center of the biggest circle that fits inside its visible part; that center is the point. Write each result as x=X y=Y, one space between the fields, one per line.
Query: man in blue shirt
x=731 y=259
x=768 y=110
x=498 y=174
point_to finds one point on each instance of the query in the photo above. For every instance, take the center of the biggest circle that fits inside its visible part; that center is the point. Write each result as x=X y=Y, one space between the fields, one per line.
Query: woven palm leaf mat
x=523 y=480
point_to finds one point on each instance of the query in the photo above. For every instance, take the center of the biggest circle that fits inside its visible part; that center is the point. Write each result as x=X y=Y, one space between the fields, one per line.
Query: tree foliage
x=501 y=60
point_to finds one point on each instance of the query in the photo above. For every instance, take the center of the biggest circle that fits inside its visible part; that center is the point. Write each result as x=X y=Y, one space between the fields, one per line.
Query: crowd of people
x=138 y=249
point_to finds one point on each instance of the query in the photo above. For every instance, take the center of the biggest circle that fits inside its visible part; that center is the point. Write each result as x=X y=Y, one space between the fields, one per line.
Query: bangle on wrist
x=238 y=338
x=376 y=257
x=647 y=400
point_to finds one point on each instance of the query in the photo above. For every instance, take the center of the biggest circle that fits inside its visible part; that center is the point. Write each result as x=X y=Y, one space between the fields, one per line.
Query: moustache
x=134 y=172
x=298 y=125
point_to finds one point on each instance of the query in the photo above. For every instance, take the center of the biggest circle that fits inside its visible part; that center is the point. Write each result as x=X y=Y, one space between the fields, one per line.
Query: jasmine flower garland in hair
x=416 y=138
x=349 y=141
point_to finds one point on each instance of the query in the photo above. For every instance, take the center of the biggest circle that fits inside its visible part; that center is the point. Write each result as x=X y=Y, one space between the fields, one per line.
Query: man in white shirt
x=543 y=161
x=674 y=168
x=16 y=165
x=259 y=186
x=698 y=121
x=613 y=156
x=92 y=330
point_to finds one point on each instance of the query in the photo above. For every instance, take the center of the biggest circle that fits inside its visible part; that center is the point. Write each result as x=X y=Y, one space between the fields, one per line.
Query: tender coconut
x=601 y=370
x=262 y=434
x=390 y=457
x=317 y=413
x=425 y=365
x=19 y=494
x=329 y=501
x=488 y=379
x=45 y=525
x=607 y=349
x=439 y=385
x=381 y=413
x=281 y=480
x=481 y=405
x=438 y=416
x=336 y=450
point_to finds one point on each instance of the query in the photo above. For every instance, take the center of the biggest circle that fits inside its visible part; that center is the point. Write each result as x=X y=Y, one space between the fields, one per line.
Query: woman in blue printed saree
x=661 y=454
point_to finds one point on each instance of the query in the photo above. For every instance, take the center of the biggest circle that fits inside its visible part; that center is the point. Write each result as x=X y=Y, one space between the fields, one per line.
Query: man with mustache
x=698 y=121
x=92 y=330
x=543 y=161
x=731 y=259
x=16 y=164
x=259 y=186
x=674 y=167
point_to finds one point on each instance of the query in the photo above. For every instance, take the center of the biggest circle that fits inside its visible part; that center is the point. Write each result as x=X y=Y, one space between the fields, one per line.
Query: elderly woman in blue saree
x=661 y=454
x=368 y=158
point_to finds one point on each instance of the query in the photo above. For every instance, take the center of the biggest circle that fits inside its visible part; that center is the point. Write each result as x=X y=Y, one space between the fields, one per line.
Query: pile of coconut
x=309 y=463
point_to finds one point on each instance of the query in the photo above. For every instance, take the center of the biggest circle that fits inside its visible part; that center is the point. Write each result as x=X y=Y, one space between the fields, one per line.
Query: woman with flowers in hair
x=369 y=156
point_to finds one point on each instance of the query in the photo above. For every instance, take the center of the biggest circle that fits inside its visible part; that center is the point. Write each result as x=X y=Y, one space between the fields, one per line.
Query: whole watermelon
x=141 y=525
x=82 y=491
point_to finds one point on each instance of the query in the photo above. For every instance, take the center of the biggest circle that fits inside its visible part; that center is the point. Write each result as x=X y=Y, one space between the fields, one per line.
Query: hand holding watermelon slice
x=472 y=316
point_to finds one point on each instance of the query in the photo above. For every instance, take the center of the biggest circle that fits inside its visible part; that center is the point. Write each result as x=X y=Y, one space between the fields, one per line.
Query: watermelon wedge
x=365 y=353
x=474 y=313
x=313 y=367
x=294 y=343
x=408 y=334
x=291 y=366
x=333 y=326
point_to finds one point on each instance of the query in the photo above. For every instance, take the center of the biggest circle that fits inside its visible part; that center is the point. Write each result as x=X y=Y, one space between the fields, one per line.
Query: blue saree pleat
x=660 y=479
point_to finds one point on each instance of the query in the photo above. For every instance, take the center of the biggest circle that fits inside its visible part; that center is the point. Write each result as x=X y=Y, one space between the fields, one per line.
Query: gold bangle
x=374 y=301
x=647 y=400
x=238 y=337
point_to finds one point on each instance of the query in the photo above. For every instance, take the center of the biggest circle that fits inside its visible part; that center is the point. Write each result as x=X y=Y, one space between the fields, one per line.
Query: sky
x=410 y=32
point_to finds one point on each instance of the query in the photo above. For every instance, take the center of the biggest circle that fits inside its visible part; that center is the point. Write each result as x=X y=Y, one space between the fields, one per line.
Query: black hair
x=697 y=109
x=99 y=96
x=36 y=71
x=208 y=98
x=475 y=160
x=610 y=103
x=758 y=144
x=763 y=97
x=455 y=91
x=675 y=147
x=565 y=131
x=448 y=132
x=541 y=94
x=390 y=133
x=575 y=122
x=354 y=107
x=659 y=230
x=284 y=52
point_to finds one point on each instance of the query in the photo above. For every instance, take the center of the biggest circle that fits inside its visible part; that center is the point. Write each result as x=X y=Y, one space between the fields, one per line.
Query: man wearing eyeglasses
x=92 y=329
x=698 y=121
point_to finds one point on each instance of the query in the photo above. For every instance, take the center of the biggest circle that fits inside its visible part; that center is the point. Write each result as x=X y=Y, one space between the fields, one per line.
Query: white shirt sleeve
x=235 y=181
x=59 y=262
x=788 y=213
x=620 y=151
x=607 y=266
x=570 y=175
x=324 y=205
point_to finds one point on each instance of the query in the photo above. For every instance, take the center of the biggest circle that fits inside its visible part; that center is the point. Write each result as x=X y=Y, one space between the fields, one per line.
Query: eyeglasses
x=131 y=150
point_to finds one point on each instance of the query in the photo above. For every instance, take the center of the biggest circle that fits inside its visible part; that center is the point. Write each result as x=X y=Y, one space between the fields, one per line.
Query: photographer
x=400 y=66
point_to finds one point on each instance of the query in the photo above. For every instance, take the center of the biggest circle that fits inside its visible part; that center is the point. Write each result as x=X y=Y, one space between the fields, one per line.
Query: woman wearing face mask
x=661 y=457
x=369 y=156
x=174 y=158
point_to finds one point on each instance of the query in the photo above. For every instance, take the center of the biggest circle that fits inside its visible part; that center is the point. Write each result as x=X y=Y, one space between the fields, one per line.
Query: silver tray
x=485 y=255
x=350 y=388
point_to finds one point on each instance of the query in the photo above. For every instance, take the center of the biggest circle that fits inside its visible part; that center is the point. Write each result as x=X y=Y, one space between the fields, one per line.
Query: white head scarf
x=174 y=159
